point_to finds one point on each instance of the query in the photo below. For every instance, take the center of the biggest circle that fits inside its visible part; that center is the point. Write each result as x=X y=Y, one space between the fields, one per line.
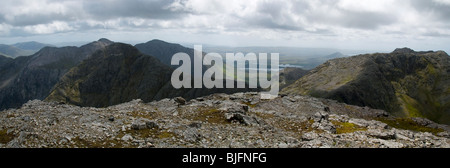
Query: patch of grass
x=346 y=127
x=409 y=104
x=165 y=134
x=82 y=143
x=146 y=133
x=249 y=104
x=5 y=137
x=409 y=124
x=210 y=115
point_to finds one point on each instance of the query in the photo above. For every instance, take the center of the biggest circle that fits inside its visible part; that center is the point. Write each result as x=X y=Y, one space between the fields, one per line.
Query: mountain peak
x=158 y=40
x=105 y=40
x=403 y=50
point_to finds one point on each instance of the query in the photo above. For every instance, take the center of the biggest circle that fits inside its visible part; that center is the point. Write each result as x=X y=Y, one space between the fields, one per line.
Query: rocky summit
x=218 y=120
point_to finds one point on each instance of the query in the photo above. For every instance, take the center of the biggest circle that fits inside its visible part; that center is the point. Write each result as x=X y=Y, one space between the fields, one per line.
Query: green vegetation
x=249 y=104
x=346 y=127
x=79 y=142
x=410 y=106
x=5 y=137
x=210 y=115
x=409 y=124
x=145 y=133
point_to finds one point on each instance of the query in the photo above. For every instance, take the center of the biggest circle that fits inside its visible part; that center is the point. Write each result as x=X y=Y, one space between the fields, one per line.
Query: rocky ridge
x=218 y=120
x=403 y=82
x=32 y=77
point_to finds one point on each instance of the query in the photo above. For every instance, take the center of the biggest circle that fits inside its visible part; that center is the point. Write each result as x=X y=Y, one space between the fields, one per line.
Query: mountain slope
x=116 y=74
x=289 y=75
x=404 y=82
x=120 y=73
x=32 y=77
x=4 y=60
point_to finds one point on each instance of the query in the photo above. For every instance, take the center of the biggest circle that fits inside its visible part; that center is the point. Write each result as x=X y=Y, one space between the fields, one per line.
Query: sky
x=347 y=24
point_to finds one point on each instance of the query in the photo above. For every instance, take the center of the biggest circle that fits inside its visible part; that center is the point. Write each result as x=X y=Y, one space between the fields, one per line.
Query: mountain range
x=404 y=83
x=104 y=73
x=22 y=49
x=100 y=74
x=32 y=77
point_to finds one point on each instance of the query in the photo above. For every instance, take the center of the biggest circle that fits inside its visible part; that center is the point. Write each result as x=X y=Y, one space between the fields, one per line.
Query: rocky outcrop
x=239 y=120
x=404 y=83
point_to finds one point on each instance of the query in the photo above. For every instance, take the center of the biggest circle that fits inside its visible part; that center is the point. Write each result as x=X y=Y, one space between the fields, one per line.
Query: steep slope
x=120 y=73
x=32 y=77
x=404 y=82
x=116 y=74
x=4 y=60
x=289 y=75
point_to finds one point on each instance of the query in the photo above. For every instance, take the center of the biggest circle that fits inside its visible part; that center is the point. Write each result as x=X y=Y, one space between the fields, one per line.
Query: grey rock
x=321 y=117
x=195 y=125
x=422 y=121
x=127 y=137
x=143 y=123
x=180 y=100
x=283 y=145
x=386 y=135
x=309 y=136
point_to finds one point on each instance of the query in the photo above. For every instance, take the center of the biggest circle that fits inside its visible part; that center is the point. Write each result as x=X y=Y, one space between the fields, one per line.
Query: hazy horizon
x=343 y=24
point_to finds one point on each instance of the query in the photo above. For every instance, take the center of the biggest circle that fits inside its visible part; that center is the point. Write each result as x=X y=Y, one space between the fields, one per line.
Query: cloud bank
x=297 y=21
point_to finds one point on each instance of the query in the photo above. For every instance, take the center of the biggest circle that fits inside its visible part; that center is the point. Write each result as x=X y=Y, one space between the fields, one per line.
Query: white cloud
x=50 y=28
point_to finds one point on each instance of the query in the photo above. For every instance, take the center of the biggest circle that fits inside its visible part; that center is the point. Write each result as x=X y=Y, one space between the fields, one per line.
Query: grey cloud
x=440 y=10
x=154 y=9
x=365 y=20
x=26 y=20
x=435 y=34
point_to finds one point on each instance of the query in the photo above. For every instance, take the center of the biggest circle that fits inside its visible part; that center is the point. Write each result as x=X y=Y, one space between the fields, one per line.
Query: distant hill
x=13 y=52
x=31 y=46
x=404 y=82
x=163 y=50
x=32 y=77
x=21 y=49
x=307 y=58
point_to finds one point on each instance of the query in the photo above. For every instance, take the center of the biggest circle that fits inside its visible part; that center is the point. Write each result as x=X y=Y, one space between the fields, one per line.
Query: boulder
x=143 y=123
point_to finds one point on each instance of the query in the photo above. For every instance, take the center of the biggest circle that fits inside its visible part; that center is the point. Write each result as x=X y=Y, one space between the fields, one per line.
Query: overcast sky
x=351 y=24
